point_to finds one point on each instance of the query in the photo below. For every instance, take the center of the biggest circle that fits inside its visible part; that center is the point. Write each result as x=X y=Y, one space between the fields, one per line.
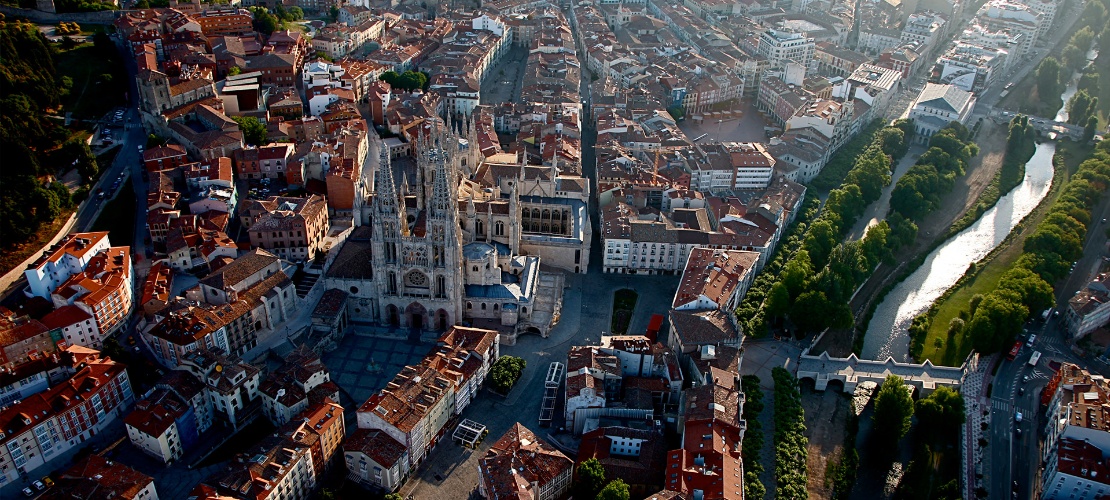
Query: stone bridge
x=1044 y=126
x=851 y=371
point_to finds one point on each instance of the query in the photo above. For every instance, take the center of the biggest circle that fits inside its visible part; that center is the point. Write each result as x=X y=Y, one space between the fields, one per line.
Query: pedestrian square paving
x=364 y=364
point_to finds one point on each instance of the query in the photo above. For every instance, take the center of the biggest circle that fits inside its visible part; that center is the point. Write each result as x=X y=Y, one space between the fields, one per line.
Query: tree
x=394 y=496
x=333 y=13
x=254 y=132
x=1090 y=129
x=941 y=413
x=615 y=490
x=893 y=410
x=1048 y=79
x=591 y=478
x=778 y=301
x=265 y=22
x=77 y=152
x=505 y=372
x=234 y=70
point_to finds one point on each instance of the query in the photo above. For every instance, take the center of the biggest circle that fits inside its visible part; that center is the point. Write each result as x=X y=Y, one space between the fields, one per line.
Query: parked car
x=47 y=481
x=39 y=486
x=28 y=492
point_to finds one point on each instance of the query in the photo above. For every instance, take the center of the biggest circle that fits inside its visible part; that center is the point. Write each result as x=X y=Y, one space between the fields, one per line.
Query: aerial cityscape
x=554 y=249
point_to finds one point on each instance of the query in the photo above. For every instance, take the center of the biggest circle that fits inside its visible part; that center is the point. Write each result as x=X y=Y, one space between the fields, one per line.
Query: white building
x=780 y=47
x=62 y=260
x=938 y=105
x=375 y=459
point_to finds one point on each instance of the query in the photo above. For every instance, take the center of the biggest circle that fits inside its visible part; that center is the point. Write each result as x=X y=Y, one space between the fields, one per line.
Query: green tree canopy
x=591 y=478
x=893 y=409
x=1048 y=79
x=615 y=490
x=941 y=413
x=254 y=132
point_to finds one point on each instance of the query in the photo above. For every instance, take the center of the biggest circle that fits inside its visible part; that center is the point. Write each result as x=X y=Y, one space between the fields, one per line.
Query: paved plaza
x=369 y=357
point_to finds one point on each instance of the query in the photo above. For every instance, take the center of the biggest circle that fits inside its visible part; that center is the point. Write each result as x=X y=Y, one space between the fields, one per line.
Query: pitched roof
x=520 y=464
x=946 y=97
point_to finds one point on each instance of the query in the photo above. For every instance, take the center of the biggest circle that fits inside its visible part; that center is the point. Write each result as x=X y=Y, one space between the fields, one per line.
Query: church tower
x=389 y=222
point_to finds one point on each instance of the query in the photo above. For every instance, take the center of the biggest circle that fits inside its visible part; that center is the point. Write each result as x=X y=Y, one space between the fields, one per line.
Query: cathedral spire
x=442 y=200
x=385 y=193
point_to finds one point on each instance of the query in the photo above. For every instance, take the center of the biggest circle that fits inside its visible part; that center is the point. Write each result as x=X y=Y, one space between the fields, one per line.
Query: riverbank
x=984 y=276
x=887 y=330
x=931 y=233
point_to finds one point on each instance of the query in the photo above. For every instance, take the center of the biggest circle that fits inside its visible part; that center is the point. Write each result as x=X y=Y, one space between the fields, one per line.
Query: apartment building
x=77 y=325
x=294 y=229
x=97 y=477
x=1089 y=309
x=522 y=465
x=104 y=290
x=375 y=459
x=160 y=425
x=1077 y=437
x=44 y=426
x=415 y=407
x=281 y=470
x=302 y=380
x=23 y=339
x=167 y=157
x=320 y=427
x=715 y=279
x=232 y=387
x=66 y=258
x=781 y=47
x=709 y=464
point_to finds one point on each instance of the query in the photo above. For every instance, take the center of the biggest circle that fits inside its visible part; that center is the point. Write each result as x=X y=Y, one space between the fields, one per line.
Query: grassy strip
x=790 y=442
x=984 y=276
x=753 y=437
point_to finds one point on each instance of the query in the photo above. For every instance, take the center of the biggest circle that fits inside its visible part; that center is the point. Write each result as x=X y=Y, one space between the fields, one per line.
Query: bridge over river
x=851 y=371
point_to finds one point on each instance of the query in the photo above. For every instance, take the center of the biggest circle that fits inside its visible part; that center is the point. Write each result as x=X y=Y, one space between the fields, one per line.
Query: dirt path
x=825 y=416
x=983 y=168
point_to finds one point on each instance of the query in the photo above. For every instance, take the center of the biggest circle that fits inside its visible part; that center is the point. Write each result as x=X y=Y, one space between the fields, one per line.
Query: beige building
x=294 y=229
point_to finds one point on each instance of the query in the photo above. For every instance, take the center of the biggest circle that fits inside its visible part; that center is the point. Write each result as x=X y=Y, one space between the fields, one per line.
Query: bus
x=1014 y=351
x=1034 y=358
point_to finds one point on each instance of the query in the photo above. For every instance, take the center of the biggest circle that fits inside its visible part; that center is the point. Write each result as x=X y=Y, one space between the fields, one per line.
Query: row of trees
x=753 y=437
x=790 y=439
x=833 y=173
x=750 y=311
x=505 y=372
x=1026 y=289
x=919 y=191
x=816 y=284
x=29 y=88
x=939 y=418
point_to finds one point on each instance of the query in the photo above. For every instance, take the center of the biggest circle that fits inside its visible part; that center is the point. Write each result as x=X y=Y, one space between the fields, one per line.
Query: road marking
x=1001 y=405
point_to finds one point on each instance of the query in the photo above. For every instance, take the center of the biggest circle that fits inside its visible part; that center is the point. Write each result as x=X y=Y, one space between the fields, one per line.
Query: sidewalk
x=971 y=454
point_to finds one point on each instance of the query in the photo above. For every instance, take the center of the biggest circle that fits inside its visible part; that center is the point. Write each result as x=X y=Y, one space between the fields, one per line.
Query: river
x=887 y=333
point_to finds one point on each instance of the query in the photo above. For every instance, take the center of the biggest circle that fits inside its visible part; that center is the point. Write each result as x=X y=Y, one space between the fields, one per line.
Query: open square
x=364 y=364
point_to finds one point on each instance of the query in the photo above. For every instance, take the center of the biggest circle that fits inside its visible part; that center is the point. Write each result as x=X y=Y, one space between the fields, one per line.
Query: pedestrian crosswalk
x=998 y=404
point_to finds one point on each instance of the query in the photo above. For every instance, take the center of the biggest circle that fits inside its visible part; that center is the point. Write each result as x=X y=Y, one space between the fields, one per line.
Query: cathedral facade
x=441 y=249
